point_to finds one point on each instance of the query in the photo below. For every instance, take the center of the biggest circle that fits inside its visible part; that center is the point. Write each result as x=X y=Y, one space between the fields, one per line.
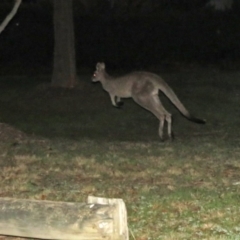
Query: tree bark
x=64 y=65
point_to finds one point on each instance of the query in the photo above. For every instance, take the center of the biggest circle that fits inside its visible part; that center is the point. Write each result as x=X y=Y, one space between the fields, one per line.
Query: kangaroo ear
x=98 y=66
x=102 y=65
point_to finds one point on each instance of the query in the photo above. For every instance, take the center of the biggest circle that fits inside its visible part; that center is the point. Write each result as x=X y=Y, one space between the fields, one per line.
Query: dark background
x=125 y=37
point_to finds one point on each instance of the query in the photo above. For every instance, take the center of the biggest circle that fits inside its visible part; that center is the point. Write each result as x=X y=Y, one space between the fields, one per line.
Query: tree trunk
x=64 y=66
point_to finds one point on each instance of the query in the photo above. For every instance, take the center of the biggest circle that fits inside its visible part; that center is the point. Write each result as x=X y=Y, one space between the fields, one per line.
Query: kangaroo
x=143 y=87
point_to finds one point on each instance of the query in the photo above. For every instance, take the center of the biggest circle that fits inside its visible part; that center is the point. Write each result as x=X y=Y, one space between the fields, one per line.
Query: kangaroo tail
x=196 y=120
x=166 y=89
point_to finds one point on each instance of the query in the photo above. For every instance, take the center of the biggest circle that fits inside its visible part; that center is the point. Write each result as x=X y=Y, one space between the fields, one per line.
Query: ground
x=64 y=145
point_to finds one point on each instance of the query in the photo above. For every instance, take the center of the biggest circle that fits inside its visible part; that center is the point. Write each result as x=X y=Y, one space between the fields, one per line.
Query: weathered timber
x=98 y=219
x=120 y=227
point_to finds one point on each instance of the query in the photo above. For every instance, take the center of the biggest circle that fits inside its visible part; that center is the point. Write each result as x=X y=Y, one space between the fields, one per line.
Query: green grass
x=64 y=145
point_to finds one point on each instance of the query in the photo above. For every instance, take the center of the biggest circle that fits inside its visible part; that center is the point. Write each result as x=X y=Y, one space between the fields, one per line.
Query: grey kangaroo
x=143 y=87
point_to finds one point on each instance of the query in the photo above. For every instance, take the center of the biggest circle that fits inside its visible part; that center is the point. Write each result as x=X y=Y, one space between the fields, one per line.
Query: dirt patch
x=9 y=133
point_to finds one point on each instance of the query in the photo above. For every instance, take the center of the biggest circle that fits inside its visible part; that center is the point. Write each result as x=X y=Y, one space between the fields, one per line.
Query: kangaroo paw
x=172 y=137
x=118 y=105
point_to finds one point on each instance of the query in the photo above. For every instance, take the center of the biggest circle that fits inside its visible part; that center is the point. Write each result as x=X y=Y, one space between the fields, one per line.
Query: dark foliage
x=173 y=31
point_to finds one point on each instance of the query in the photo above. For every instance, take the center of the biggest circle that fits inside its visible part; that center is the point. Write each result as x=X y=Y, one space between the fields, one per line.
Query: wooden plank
x=120 y=227
x=62 y=220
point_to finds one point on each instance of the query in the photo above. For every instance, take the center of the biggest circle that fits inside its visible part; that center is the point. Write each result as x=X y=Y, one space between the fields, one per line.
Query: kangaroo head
x=99 y=73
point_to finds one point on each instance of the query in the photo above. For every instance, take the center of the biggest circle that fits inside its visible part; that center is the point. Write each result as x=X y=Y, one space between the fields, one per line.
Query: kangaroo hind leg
x=152 y=103
x=167 y=116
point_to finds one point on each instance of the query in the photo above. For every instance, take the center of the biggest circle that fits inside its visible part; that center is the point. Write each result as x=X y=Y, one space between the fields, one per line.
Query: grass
x=64 y=145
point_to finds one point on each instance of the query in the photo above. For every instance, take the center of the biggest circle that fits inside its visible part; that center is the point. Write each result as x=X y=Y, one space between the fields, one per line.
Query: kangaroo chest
x=119 y=88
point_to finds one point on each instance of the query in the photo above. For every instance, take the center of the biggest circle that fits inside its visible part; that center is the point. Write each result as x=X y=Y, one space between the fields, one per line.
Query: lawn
x=63 y=145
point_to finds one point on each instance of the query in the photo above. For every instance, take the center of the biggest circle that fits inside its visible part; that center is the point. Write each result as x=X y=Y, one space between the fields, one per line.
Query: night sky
x=129 y=36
